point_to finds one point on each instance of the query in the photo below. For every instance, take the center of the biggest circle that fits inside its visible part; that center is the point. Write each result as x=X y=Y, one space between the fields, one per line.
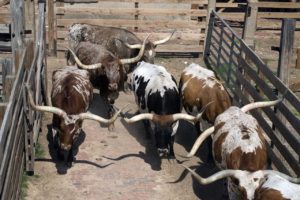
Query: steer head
x=68 y=126
x=165 y=127
x=249 y=183
x=149 y=53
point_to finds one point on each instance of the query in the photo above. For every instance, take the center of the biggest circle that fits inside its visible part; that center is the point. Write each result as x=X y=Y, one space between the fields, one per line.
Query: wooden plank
x=7 y=88
x=279 y=15
x=141 y=1
x=51 y=28
x=277 y=5
x=133 y=23
x=2 y=111
x=161 y=48
x=17 y=31
x=178 y=35
x=30 y=18
x=228 y=5
x=298 y=58
x=130 y=11
x=250 y=24
x=9 y=145
x=9 y=110
x=9 y=172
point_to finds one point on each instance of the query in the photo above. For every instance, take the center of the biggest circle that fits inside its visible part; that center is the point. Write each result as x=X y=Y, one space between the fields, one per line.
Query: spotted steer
x=238 y=142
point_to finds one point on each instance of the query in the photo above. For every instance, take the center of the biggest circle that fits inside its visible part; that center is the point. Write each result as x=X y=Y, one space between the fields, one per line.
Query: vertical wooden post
x=286 y=49
x=51 y=29
x=30 y=18
x=298 y=58
x=250 y=23
x=17 y=31
x=285 y=58
x=210 y=6
x=59 y=3
x=136 y=17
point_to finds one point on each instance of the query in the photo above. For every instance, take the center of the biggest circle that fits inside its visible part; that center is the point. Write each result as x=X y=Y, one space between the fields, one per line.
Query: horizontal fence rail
x=156 y=17
x=248 y=79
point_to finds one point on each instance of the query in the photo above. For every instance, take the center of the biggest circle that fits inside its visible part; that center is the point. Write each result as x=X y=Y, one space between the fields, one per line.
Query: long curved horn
x=188 y=117
x=217 y=176
x=138 y=57
x=158 y=42
x=139 y=117
x=100 y=119
x=50 y=109
x=130 y=46
x=80 y=64
x=260 y=104
x=289 y=178
x=200 y=139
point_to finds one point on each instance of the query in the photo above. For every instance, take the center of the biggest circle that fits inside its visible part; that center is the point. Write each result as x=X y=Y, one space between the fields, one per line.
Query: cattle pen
x=222 y=35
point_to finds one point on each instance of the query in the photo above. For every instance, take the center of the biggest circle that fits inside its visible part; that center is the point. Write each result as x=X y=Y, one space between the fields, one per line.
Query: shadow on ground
x=59 y=164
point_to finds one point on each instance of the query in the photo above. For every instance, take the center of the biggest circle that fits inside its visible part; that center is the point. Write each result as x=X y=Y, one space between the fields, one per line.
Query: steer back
x=72 y=92
x=198 y=87
x=238 y=143
x=156 y=92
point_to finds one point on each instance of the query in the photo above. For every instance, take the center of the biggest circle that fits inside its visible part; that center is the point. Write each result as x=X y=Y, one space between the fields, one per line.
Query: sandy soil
x=123 y=164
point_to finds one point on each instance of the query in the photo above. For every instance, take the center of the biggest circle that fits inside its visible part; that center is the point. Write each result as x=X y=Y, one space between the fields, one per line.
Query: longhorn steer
x=107 y=36
x=71 y=95
x=198 y=87
x=157 y=96
x=238 y=141
x=106 y=71
x=258 y=185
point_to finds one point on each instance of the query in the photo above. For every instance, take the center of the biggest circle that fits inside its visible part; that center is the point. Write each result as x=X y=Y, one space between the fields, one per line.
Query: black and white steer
x=158 y=99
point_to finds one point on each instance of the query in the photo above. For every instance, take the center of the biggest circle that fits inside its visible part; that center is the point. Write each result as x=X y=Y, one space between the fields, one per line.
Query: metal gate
x=248 y=79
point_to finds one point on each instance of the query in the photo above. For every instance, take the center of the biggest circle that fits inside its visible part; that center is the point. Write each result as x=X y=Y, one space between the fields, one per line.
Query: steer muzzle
x=163 y=152
x=113 y=87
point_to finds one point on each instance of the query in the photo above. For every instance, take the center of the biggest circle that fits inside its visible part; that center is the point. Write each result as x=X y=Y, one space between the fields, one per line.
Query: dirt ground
x=124 y=164
x=121 y=165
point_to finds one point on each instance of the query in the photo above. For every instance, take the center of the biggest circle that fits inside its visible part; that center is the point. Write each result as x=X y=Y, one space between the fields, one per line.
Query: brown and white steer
x=71 y=95
x=198 y=87
x=238 y=142
x=106 y=70
x=258 y=185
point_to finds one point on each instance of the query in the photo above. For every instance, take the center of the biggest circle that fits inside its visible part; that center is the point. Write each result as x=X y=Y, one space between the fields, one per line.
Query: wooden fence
x=248 y=79
x=20 y=126
x=159 y=18
x=145 y=16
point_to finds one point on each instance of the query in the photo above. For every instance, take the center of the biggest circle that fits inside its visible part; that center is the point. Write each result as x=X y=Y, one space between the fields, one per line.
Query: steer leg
x=171 y=155
x=147 y=128
x=111 y=112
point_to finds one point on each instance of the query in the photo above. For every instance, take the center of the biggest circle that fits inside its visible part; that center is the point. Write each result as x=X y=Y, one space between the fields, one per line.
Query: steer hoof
x=111 y=128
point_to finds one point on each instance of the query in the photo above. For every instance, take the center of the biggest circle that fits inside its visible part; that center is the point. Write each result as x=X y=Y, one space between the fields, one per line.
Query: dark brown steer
x=106 y=70
x=71 y=95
